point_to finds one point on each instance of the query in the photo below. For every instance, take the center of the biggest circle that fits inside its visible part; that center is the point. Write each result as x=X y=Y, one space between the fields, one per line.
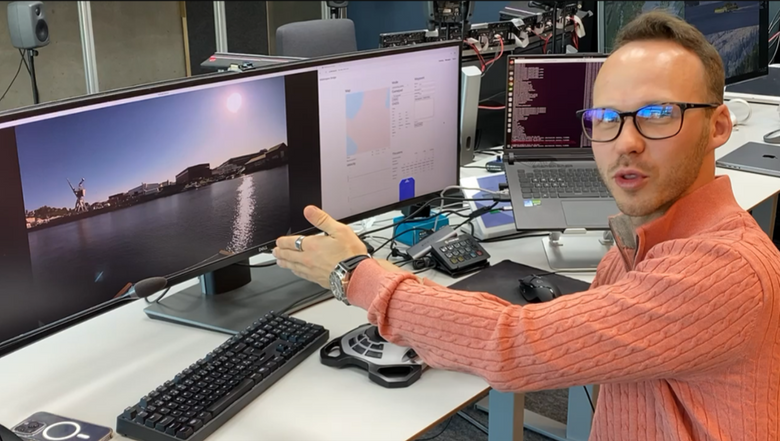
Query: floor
x=552 y=404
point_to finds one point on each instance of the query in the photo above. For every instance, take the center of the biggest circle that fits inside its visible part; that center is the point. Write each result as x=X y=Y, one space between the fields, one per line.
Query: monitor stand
x=230 y=299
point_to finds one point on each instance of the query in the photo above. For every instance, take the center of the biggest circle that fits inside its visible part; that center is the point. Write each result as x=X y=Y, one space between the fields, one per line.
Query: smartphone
x=44 y=426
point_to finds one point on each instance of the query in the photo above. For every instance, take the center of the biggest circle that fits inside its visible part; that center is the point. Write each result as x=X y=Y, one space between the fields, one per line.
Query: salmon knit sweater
x=681 y=327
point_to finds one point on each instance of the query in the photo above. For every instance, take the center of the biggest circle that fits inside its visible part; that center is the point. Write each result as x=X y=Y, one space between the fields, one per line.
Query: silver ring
x=299 y=243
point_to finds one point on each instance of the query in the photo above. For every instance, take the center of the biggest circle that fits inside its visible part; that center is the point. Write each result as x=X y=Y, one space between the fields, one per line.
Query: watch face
x=335 y=284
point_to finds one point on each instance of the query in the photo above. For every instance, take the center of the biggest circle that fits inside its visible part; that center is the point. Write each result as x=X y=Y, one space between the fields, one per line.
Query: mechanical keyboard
x=202 y=397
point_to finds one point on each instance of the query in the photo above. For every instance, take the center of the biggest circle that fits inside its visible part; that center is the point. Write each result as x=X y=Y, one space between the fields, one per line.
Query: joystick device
x=387 y=364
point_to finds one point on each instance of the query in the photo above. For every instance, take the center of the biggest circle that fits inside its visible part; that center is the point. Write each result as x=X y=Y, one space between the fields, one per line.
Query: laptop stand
x=576 y=250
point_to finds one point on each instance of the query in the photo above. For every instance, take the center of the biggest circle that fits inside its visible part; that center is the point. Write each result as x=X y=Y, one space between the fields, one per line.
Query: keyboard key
x=141 y=417
x=230 y=398
x=196 y=424
x=152 y=420
x=172 y=429
x=130 y=413
x=184 y=432
x=164 y=423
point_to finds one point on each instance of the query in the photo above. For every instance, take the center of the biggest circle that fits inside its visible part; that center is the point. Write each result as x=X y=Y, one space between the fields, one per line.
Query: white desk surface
x=94 y=370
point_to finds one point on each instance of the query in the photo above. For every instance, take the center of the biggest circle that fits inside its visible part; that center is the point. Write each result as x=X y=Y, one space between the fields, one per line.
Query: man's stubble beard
x=664 y=190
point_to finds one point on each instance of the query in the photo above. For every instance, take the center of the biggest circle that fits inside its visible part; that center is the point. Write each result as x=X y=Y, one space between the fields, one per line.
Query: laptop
x=550 y=170
x=224 y=61
x=753 y=157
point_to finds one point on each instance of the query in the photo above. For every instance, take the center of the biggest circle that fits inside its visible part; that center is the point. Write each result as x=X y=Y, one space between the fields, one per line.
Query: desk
x=94 y=370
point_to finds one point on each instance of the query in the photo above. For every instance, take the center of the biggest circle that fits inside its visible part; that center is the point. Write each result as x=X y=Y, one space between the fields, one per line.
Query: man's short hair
x=662 y=26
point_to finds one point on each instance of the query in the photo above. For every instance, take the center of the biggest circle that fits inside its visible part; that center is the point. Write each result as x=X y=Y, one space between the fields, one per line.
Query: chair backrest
x=316 y=38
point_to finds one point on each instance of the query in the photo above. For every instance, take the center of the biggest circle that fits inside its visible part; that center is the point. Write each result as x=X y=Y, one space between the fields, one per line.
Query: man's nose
x=630 y=140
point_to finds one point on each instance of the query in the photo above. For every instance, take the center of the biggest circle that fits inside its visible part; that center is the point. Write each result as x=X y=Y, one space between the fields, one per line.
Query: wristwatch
x=339 y=278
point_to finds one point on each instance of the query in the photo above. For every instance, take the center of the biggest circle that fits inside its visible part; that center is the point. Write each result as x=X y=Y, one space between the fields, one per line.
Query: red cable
x=476 y=51
x=574 y=37
x=500 y=53
x=542 y=37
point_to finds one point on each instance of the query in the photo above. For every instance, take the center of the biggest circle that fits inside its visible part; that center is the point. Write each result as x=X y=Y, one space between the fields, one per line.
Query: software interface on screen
x=109 y=194
x=388 y=131
x=731 y=26
x=544 y=96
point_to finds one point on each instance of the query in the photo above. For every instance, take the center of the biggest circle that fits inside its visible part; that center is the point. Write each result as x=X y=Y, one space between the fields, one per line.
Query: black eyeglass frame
x=624 y=115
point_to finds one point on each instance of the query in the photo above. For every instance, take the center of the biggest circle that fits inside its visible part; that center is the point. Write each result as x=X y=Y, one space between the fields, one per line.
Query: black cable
x=21 y=52
x=157 y=300
x=399 y=235
x=191 y=267
x=518 y=235
x=438 y=434
x=19 y=69
x=503 y=92
x=303 y=300
x=589 y=400
x=421 y=208
x=258 y=265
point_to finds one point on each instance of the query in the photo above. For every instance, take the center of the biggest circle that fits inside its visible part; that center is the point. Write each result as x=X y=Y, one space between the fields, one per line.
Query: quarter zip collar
x=693 y=213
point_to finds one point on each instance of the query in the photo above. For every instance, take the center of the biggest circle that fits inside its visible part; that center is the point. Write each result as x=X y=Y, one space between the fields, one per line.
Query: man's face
x=644 y=175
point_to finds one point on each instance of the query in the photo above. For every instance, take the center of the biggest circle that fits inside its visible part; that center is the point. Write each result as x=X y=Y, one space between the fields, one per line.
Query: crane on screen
x=80 y=192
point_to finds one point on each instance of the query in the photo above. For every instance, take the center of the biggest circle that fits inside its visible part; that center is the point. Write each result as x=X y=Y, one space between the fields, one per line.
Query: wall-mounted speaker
x=27 y=24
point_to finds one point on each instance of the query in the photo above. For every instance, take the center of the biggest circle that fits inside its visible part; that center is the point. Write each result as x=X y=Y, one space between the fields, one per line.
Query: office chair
x=316 y=38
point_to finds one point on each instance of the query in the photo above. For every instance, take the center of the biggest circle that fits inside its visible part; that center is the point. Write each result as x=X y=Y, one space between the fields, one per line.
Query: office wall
x=377 y=17
x=59 y=66
x=135 y=43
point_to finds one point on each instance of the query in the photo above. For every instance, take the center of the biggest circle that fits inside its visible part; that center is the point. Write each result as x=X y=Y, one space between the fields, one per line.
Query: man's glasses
x=654 y=121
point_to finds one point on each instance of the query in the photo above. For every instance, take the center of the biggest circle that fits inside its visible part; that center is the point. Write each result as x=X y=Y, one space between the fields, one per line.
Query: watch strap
x=352 y=263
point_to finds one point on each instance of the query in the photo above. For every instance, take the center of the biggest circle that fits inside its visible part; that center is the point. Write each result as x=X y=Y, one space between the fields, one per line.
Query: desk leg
x=505 y=422
x=580 y=414
x=764 y=213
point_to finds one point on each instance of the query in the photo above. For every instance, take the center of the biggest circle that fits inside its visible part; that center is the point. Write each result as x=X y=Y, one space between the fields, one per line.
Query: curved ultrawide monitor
x=184 y=177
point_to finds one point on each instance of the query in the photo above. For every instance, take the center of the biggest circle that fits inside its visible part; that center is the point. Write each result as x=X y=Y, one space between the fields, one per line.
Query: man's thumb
x=321 y=220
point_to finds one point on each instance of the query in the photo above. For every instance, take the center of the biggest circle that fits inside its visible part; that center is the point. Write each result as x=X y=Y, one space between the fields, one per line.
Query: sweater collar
x=703 y=208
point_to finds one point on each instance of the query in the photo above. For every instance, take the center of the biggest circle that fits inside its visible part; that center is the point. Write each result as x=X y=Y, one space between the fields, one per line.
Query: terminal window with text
x=103 y=195
x=544 y=96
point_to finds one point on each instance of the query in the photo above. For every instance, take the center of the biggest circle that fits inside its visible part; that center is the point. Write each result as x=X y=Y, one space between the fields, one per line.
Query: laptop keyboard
x=541 y=183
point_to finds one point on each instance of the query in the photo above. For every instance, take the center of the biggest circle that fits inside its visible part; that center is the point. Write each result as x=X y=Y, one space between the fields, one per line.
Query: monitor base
x=270 y=289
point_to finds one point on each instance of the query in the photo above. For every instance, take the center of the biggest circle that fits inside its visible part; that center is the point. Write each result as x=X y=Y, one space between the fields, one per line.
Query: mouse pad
x=503 y=280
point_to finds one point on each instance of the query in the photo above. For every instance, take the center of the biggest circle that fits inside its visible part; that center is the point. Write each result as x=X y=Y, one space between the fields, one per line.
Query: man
x=682 y=323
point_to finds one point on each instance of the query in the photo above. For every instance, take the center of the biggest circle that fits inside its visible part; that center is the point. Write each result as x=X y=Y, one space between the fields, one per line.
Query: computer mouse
x=7 y=435
x=538 y=289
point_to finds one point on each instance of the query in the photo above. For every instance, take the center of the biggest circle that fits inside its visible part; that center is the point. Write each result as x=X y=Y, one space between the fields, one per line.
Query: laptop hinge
x=509 y=158
x=550 y=156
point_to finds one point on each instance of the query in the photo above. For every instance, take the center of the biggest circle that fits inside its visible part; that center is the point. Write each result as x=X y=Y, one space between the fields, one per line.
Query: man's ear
x=720 y=127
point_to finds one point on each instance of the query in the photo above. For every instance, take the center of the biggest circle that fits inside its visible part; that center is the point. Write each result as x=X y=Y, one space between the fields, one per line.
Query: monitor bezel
x=556 y=152
x=209 y=265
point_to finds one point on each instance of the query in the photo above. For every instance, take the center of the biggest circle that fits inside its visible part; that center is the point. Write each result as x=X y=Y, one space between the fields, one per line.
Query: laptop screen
x=543 y=96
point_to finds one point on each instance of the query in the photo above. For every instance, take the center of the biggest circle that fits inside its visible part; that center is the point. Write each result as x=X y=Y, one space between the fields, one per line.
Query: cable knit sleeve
x=687 y=308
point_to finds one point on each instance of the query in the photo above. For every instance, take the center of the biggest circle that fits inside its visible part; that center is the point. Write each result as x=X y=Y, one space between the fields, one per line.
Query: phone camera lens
x=29 y=427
